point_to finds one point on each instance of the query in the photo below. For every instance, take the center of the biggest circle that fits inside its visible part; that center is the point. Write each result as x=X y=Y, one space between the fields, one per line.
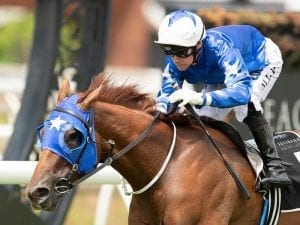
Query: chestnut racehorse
x=191 y=185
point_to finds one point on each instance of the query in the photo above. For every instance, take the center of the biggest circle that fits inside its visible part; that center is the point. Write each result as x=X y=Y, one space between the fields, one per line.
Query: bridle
x=64 y=184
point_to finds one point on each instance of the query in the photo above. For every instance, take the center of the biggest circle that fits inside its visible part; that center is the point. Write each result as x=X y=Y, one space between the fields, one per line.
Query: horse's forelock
x=125 y=95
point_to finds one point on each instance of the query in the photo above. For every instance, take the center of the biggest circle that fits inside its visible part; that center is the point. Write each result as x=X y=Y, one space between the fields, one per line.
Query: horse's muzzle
x=39 y=198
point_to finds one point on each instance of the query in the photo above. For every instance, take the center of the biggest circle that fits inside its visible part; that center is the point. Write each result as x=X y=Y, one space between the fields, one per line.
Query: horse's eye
x=73 y=138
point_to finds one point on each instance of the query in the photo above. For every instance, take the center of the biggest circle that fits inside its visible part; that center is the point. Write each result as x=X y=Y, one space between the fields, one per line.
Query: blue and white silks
x=229 y=56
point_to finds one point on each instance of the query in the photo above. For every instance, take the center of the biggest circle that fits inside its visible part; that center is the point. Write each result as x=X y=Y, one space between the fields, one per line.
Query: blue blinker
x=51 y=135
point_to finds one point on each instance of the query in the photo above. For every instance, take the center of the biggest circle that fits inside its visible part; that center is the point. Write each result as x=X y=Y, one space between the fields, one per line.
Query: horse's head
x=72 y=147
x=67 y=140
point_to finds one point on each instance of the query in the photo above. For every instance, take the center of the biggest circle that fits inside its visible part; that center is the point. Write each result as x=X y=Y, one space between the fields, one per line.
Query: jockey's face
x=183 y=63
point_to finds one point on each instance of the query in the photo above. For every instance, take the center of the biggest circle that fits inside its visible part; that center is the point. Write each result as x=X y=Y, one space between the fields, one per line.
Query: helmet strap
x=196 y=55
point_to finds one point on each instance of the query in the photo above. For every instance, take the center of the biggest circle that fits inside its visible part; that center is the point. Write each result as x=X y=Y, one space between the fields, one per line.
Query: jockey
x=238 y=67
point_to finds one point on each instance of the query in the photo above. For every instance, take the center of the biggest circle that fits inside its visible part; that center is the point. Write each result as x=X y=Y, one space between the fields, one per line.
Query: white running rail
x=20 y=172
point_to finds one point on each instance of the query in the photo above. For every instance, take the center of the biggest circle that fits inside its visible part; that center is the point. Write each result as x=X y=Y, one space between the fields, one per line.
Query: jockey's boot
x=276 y=175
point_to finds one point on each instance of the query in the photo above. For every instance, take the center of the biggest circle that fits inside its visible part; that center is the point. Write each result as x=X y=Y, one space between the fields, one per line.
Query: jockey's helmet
x=181 y=28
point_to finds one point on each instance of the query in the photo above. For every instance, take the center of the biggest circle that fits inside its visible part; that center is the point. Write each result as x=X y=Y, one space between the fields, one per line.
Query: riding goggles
x=179 y=51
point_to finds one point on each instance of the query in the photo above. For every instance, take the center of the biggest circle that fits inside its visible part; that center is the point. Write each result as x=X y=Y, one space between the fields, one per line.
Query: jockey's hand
x=185 y=96
x=161 y=108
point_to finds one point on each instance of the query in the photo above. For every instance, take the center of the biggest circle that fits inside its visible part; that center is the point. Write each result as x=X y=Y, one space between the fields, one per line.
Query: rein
x=230 y=169
x=64 y=185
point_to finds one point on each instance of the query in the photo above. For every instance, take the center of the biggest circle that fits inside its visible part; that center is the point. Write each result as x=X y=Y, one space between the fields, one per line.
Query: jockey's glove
x=161 y=107
x=187 y=96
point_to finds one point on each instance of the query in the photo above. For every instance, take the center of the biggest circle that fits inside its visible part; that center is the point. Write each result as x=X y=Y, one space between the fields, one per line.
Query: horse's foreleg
x=140 y=214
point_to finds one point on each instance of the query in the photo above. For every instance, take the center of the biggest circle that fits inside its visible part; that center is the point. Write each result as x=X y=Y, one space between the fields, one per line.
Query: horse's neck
x=123 y=126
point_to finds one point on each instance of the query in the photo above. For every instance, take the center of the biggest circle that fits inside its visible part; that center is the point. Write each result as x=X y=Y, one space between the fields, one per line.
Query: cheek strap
x=196 y=55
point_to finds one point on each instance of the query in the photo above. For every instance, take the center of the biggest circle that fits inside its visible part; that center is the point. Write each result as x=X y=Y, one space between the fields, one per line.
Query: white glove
x=256 y=103
x=186 y=96
x=161 y=107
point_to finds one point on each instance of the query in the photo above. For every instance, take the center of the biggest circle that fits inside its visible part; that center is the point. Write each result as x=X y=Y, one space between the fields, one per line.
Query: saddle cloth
x=288 y=146
x=279 y=200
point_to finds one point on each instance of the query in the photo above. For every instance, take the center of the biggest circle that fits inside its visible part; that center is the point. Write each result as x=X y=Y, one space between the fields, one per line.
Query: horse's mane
x=129 y=96
x=125 y=94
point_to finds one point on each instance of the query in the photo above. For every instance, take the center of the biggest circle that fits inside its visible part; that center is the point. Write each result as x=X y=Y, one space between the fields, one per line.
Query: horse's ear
x=89 y=100
x=64 y=90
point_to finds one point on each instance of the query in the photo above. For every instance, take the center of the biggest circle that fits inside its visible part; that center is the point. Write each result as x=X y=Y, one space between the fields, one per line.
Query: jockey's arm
x=167 y=88
x=238 y=83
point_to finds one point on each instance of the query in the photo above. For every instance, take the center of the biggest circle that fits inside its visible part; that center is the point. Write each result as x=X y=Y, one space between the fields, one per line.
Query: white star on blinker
x=56 y=123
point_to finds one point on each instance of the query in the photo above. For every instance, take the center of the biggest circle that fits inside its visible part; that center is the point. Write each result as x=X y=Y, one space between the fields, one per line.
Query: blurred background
x=41 y=41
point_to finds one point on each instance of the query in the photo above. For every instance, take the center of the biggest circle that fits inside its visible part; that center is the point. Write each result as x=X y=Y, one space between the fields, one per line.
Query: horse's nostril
x=39 y=193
